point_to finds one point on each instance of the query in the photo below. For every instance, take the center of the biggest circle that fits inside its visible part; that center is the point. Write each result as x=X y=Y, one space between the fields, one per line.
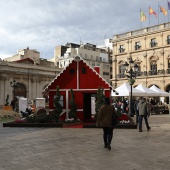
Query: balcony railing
x=121 y=75
x=168 y=71
x=161 y=71
x=168 y=41
x=137 y=47
x=149 y=73
x=152 y=72
x=121 y=50
x=153 y=44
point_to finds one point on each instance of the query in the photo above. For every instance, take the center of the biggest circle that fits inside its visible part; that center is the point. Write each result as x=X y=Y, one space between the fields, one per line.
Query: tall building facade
x=25 y=53
x=150 y=49
x=31 y=73
x=31 y=79
x=95 y=57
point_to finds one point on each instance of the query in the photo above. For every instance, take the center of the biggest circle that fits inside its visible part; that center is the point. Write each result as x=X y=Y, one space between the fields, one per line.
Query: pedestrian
x=143 y=113
x=136 y=109
x=13 y=103
x=105 y=120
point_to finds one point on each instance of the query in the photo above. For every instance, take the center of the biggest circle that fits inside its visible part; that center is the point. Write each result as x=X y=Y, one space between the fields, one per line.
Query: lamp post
x=131 y=75
x=13 y=84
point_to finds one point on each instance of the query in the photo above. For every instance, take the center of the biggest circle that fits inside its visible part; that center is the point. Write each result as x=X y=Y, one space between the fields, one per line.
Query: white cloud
x=44 y=24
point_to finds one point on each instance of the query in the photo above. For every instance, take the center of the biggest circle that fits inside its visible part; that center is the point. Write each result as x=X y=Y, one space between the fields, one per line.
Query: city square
x=82 y=148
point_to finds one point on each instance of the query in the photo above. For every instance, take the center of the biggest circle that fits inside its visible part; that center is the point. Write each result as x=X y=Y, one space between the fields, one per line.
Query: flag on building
x=163 y=10
x=151 y=11
x=142 y=16
x=168 y=5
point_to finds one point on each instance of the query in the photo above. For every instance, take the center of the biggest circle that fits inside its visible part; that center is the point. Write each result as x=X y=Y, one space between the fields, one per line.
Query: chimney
x=97 y=69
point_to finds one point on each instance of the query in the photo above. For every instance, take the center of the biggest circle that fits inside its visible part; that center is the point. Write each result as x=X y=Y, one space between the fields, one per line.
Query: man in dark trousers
x=143 y=113
x=136 y=109
x=105 y=120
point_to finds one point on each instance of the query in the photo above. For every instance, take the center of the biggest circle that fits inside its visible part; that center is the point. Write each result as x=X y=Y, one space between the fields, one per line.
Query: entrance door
x=167 y=90
x=20 y=90
x=87 y=109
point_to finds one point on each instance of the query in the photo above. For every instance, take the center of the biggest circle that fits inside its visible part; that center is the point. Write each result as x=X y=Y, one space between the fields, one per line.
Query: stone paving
x=82 y=149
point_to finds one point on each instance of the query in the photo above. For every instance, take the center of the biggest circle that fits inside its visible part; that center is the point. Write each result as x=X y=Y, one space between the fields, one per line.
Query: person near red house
x=104 y=119
x=143 y=113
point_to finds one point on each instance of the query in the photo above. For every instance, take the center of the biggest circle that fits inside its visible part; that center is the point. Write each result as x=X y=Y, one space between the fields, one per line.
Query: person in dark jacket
x=143 y=113
x=105 y=120
x=136 y=109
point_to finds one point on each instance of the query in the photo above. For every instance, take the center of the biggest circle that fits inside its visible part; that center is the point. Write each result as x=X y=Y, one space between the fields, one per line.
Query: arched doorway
x=154 y=100
x=167 y=90
x=20 y=90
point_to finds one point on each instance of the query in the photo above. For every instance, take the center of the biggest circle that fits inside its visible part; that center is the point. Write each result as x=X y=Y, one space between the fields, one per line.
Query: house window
x=84 y=70
x=61 y=101
x=97 y=58
x=106 y=66
x=153 y=42
x=91 y=57
x=93 y=64
x=71 y=71
x=122 y=69
x=139 y=68
x=168 y=39
x=169 y=64
x=98 y=64
x=121 y=49
x=85 y=55
x=137 y=45
x=153 y=66
x=106 y=73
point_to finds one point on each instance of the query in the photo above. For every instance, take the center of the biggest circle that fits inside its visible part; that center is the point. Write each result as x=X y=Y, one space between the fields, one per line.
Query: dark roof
x=25 y=59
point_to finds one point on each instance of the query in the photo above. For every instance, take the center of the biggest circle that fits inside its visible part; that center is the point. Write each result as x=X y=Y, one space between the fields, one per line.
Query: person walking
x=104 y=119
x=143 y=113
x=136 y=109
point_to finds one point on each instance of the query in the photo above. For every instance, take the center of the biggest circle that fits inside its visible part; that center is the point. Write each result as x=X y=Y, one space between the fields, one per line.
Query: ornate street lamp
x=131 y=75
x=13 y=84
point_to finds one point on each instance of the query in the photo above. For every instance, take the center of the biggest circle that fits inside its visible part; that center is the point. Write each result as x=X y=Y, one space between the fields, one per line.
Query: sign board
x=40 y=102
x=22 y=104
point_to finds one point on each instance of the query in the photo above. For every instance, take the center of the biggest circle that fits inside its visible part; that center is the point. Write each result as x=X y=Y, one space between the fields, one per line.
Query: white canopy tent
x=161 y=92
x=125 y=90
x=148 y=91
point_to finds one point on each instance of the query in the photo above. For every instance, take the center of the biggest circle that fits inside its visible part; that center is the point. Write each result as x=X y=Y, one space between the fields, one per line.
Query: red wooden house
x=84 y=81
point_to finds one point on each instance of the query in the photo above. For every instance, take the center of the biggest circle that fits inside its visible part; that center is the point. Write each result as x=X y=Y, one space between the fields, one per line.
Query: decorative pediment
x=154 y=58
x=121 y=62
x=137 y=61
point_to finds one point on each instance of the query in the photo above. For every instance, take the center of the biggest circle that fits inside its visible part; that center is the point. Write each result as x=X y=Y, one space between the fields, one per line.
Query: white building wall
x=13 y=58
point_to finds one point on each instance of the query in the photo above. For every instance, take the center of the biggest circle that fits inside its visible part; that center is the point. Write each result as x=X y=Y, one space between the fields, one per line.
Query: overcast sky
x=44 y=24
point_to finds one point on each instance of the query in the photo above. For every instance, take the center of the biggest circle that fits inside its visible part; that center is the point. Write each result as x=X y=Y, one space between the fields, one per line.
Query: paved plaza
x=82 y=148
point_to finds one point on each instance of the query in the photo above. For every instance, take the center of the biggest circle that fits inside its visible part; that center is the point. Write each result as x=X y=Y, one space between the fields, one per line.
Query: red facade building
x=84 y=81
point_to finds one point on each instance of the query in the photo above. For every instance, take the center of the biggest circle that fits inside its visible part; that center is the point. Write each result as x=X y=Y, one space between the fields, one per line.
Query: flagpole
x=140 y=19
x=158 y=13
x=149 y=16
x=168 y=10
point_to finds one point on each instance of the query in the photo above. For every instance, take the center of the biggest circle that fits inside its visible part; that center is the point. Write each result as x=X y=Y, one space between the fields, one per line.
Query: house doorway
x=167 y=90
x=20 y=90
x=89 y=106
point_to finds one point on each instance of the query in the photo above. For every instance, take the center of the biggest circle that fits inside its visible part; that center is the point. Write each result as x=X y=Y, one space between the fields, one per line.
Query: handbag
x=114 y=118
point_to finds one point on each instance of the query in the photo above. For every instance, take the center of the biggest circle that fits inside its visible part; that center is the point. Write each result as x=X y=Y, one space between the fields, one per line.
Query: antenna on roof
x=80 y=40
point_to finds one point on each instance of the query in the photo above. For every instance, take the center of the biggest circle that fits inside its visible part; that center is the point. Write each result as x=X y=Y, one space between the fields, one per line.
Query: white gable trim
x=77 y=58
